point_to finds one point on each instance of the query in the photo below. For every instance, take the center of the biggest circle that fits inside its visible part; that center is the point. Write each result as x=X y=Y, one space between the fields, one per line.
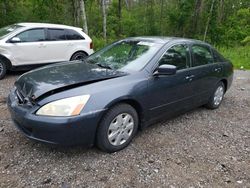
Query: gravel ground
x=202 y=148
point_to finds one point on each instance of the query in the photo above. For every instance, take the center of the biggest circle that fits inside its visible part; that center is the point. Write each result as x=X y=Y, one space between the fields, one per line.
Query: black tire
x=3 y=69
x=103 y=131
x=78 y=56
x=212 y=102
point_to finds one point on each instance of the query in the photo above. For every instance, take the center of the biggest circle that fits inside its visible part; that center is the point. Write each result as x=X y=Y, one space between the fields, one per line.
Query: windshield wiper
x=106 y=66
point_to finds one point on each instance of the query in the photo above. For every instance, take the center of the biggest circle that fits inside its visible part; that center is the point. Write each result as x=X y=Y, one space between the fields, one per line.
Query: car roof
x=164 y=40
x=32 y=25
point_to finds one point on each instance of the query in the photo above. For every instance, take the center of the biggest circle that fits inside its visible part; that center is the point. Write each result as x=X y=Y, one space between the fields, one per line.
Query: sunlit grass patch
x=239 y=56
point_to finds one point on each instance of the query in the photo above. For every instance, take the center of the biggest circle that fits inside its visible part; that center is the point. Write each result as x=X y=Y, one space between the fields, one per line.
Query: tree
x=208 y=20
x=83 y=16
x=104 y=15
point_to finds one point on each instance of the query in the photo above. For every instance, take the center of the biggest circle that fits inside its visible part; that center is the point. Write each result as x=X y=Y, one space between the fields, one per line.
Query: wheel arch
x=77 y=52
x=132 y=102
x=7 y=61
x=224 y=81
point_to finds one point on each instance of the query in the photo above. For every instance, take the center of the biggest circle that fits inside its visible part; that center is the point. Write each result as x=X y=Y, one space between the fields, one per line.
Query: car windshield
x=8 y=29
x=127 y=55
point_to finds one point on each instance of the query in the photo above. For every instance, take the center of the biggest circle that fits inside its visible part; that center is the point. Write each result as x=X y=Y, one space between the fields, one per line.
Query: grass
x=239 y=56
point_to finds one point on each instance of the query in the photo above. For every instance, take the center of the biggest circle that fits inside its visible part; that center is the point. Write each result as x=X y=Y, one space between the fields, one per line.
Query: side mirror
x=15 y=40
x=165 y=70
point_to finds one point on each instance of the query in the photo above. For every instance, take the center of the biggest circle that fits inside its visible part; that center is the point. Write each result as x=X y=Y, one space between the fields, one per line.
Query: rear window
x=56 y=34
x=73 y=35
x=201 y=55
x=218 y=57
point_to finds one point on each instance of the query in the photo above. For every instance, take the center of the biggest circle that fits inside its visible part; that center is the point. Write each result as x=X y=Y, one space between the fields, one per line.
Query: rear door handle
x=218 y=69
x=42 y=45
x=190 y=77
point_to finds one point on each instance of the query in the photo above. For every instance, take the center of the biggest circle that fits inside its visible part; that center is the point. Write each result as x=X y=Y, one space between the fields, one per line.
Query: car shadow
x=13 y=74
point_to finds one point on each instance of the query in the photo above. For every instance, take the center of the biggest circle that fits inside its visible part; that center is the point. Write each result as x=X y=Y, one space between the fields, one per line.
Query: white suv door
x=31 y=49
x=57 y=45
x=63 y=43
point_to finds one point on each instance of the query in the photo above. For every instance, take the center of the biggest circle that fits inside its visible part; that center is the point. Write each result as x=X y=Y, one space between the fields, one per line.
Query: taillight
x=91 y=45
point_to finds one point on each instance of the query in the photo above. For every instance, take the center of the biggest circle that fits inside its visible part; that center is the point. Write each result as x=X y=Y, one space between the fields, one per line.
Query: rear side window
x=177 y=55
x=33 y=35
x=73 y=35
x=201 y=55
x=218 y=57
x=56 y=34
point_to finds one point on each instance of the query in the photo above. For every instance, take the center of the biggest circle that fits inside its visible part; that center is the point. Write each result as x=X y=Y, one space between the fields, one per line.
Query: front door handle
x=190 y=77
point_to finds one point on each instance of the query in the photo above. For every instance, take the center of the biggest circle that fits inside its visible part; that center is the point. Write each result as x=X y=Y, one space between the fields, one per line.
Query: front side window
x=33 y=35
x=201 y=55
x=56 y=34
x=130 y=55
x=177 y=55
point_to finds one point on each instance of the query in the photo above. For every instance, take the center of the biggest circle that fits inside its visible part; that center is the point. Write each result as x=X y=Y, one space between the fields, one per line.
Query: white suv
x=25 y=45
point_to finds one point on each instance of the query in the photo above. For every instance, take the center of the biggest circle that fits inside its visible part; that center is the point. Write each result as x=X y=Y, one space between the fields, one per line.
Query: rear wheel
x=217 y=96
x=78 y=56
x=117 y=128
x=3 y=69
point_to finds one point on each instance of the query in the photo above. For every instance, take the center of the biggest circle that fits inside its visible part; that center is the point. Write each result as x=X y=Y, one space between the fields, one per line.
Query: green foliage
x=239 y=55
x=229 y=23
x=246 y=41
x=238 y=27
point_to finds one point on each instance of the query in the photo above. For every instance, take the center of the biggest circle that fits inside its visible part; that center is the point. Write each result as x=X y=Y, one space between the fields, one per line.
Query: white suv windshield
x=125 y=55
x=8 y=29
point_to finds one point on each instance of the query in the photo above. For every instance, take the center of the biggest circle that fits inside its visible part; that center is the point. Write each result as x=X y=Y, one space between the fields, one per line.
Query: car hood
x=61 y=76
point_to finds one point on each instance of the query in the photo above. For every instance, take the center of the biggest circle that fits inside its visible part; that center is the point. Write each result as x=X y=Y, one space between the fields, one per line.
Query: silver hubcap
x=120 y=129
x=218 y=95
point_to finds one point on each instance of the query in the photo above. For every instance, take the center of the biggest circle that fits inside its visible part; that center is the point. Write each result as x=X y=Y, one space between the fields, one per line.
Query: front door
x=171 y=93
x=31 y=49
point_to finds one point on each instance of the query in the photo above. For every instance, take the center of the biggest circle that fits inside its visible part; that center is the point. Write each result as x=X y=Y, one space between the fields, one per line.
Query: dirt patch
x=202 y=148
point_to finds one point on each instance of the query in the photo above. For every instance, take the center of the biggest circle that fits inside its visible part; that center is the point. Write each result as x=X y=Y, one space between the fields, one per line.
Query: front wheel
x=117 y=128
x=217 y=96
x=3 y=69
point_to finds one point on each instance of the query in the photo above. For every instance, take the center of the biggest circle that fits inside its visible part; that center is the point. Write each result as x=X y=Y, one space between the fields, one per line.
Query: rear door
x=204 y=71
x=58 y=47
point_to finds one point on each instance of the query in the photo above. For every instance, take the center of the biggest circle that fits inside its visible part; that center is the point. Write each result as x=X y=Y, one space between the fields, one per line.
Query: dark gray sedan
x=124 y=87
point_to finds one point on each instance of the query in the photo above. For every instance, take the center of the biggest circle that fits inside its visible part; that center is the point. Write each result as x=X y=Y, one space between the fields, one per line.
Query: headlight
x=65 y=107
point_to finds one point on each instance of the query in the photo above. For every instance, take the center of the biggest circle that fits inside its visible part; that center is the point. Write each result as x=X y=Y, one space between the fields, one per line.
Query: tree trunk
x=208 y=20
x=161 y=16
x=196 y=16
x=221 y=11
x=104 y=15
x=120 y=16
x=83 y=16
x=73 y=4
x=76 y=9
x=4 y=7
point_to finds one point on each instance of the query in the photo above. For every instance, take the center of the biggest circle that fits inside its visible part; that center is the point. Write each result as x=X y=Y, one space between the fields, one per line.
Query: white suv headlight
x=64 y=107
